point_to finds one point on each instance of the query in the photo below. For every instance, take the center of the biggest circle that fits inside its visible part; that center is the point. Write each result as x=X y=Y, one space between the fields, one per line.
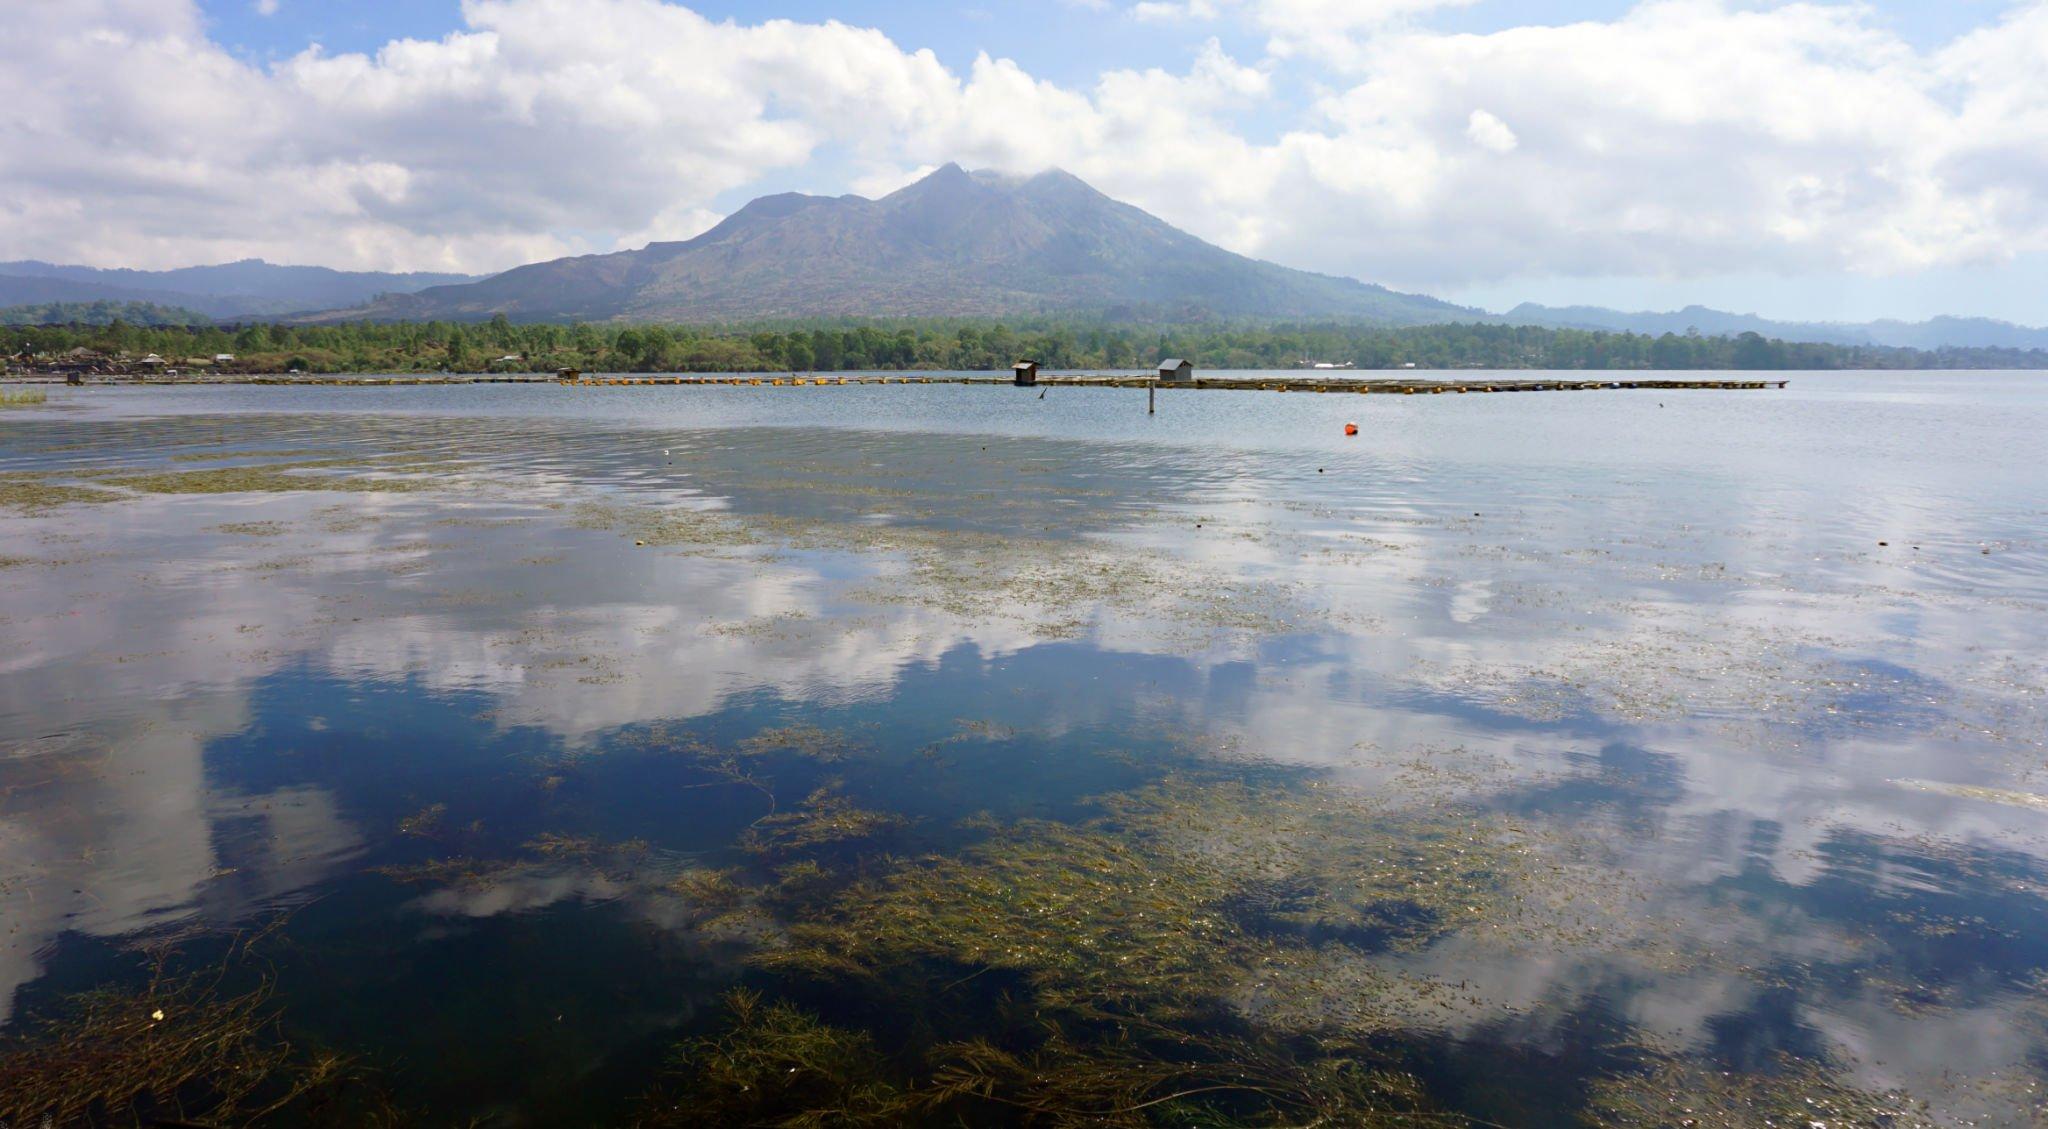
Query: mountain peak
x=953 y=244
x=953 y=178
x=947 y=180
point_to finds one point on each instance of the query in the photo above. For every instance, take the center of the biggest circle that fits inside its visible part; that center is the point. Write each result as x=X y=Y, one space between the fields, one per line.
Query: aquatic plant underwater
x=1030 y=881
x=1199 y=950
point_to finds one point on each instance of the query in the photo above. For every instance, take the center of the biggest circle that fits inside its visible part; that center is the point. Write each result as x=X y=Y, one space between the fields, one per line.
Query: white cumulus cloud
x=1489 y=132
x=1682 y=138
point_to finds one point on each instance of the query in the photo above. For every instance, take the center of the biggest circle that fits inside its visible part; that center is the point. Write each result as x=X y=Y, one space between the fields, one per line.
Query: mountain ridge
x=244 y=288
x=952 y=244
x=1934 y=333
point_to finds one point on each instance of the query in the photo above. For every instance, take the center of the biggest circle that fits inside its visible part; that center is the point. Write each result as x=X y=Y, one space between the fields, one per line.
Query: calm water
x=1595 y=758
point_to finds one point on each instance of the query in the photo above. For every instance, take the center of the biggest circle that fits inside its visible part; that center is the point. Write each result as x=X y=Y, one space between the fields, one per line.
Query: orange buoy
x=1350 y=429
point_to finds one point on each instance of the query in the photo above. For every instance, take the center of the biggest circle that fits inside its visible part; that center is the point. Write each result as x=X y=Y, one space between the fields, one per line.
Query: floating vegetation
x=34 y=492
x=1060 y=585
x=2005 y=796
x=222 y=456
x=275 y=478
x=425 y=823
x=181 y=1050
x=668 y=528
x=810 y=742
x=1057 y=585
x=549 y=851
x=760 y=627
x=253 y=528
x=27 y=398
x=585 y=848
x=452 y=872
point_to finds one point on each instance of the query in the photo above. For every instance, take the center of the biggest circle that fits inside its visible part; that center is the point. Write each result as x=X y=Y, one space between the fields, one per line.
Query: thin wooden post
x=1151 y=395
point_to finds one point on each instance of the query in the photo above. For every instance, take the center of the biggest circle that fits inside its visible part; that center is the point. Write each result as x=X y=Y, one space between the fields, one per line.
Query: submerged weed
x=1792 y=1092
x=180 y=1050
x=1173 y=898
x=776 y=1065
x=823 y=819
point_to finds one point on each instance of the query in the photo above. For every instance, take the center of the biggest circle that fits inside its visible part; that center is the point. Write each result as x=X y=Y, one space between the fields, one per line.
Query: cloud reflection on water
x=1699 y=693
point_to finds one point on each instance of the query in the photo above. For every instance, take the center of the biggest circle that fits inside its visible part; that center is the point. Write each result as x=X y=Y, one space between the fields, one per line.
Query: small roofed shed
x=1173 y=368
x=1025 y=373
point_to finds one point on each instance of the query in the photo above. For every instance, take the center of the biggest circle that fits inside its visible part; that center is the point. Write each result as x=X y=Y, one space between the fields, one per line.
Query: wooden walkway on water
x=1264 y=382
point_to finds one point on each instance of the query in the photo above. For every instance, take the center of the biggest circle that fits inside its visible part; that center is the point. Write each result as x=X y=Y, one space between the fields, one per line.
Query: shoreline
x=1261 y=383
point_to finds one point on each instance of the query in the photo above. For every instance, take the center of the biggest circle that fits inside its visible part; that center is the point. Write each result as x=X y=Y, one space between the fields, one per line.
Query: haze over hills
x=250 y=288
x=955 y=244
x=1937 y=333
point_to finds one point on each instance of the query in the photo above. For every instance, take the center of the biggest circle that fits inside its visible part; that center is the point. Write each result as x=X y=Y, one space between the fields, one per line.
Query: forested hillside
x=840 y=346
x=100 y=313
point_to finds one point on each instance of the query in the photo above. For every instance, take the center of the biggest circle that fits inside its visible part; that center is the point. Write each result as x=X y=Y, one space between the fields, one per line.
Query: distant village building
x=1025 y=373
x=223 y=358
x=151 y=361
x=1174 y=368
x=81 y=362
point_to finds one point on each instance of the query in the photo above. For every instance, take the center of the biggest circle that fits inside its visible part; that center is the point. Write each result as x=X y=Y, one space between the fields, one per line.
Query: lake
x=528 y=755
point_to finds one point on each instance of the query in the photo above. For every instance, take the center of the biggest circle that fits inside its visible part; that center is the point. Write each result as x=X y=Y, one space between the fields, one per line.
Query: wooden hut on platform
x=1174 y=368
x=1025 y=373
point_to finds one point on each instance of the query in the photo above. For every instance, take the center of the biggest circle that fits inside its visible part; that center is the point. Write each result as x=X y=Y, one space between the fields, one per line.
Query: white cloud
x=1321 y=29
x=1174 y=10
x=1489 y=132
x=1687 y=137
x=266 y=7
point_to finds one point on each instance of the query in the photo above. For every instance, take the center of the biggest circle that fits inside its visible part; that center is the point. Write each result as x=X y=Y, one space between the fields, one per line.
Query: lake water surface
x=526 y=755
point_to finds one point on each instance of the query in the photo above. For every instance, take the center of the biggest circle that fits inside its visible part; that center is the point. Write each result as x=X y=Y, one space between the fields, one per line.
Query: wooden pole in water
x=1151 y=394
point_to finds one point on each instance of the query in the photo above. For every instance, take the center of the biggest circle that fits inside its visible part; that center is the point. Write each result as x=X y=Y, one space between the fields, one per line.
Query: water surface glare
x=951 y=755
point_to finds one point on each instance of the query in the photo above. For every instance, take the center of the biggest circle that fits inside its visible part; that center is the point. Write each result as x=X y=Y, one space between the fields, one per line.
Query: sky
x=1827 y=159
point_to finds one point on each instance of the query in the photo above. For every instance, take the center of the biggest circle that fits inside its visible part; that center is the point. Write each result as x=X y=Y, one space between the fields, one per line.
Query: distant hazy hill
x=953 y=244
x=100 y=313
x=1940 y=333
x=250 y=288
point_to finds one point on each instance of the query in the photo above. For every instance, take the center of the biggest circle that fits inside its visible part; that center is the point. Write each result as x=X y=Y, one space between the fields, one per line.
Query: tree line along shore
x=500 y=345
